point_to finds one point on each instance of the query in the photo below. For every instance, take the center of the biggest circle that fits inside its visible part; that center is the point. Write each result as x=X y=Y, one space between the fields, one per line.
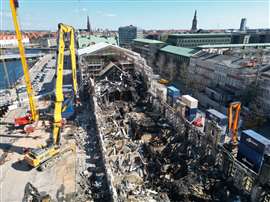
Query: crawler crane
x=33 y=117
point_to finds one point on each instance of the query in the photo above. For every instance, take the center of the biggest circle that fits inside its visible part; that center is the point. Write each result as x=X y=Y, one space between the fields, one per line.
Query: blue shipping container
x=171 y=100
x=68 y=110
x=249 y=157
x=214 y=115
x=254 y=140
x=173 y=92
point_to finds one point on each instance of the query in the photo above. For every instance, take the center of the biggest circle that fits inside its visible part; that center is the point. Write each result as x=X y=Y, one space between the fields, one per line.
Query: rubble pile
x=91 y=177
x=117 y=102
x=145 y=157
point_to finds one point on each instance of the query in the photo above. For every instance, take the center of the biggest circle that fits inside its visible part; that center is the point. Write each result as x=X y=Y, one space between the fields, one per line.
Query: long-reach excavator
x=33 y=117
x=44 y=157
x=233 y=113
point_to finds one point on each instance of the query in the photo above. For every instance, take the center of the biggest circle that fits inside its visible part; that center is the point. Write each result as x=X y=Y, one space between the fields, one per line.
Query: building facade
x=194 y=40
x=148 y=49
x=219 y=79
x=10 y=40
x=127 y=34
x=171 y=60
x=243 y=24
x=251 y=36
x=48 y=42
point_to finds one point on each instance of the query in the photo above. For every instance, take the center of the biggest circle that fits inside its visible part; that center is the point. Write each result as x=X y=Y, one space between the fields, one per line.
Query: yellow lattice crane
x=33 y=117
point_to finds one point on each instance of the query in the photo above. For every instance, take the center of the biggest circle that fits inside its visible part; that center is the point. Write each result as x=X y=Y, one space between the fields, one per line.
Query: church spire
x=194 y=22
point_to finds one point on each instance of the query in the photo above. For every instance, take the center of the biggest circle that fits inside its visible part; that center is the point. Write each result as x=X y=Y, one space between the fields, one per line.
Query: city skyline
x=146 y=14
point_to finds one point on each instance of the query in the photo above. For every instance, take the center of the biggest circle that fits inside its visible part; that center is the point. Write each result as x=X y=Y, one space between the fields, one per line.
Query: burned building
x=149 y=151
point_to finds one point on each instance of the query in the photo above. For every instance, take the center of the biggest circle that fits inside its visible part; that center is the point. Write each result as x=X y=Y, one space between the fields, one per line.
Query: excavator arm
x=233 y=119
x=63 y=30
x=42 y=158
x=34 y=114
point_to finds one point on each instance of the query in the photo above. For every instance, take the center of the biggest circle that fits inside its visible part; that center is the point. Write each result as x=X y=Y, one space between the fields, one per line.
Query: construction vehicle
x=31 y=194
x=43 y=157
x=233 y=114
x=33 y=117
x=164 y=81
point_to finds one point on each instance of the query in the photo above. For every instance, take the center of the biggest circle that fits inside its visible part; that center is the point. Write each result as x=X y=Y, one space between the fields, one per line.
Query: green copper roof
x=187 y=52
x=149 y=41
x=84 y=41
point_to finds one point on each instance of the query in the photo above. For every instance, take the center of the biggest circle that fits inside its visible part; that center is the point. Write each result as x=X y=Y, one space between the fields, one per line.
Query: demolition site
x=99 y=124
x=129 y=138
x=149 y=150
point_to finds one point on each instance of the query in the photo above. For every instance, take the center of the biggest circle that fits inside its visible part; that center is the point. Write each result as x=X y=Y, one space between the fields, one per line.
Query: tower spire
x=88 y=25
x=194 y=22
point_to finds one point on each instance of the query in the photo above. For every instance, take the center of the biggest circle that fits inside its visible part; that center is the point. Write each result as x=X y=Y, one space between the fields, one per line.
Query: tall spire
x=194 y=22
x=88 y=25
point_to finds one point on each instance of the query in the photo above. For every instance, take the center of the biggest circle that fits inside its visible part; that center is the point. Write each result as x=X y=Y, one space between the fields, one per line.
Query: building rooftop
x=100 y=46
x=237 y=58
x=93 y=48
x=148 y=41
x=187 y=52
x=235 y=45
x=201 y=34
x=84 y=41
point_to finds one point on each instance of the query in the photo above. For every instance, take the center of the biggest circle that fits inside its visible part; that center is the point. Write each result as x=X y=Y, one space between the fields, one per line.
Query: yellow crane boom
x=63 y=30
x=34 y=114
x=44 y=157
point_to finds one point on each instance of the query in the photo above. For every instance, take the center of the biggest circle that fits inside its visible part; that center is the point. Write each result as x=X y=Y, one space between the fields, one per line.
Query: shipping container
x=171 y=100
x=249 y=157
x=219 y=118
x=191 y=117
x=173 y=92
x=190 y=113
x=190 y=101
x=68 y=109
x=255 y=140
x=180 y=108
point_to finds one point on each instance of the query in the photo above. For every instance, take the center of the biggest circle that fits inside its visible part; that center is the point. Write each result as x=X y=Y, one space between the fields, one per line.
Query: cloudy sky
x=147 y=14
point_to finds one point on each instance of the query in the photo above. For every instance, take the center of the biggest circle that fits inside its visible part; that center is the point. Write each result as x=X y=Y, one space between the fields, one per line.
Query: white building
x=222 y=78
x=7 y=40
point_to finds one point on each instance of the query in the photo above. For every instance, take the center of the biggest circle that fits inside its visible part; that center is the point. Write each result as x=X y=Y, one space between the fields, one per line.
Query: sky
x=146 y=14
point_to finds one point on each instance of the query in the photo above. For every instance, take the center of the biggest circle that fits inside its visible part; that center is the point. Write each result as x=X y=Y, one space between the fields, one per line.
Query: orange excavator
x=233 y=113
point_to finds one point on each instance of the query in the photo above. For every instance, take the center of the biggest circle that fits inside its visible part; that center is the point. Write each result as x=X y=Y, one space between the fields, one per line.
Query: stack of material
x=220 y=119
x=191 y=109
x=158 y=90
x=251 y=149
